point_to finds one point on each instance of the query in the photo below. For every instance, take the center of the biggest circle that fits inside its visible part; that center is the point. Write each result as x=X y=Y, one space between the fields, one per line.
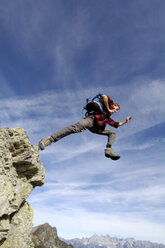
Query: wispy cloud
x=81 y=223
x=77 y=46
x=102 y=195
x=6 y=89
x=145 y=103
x=66 y=205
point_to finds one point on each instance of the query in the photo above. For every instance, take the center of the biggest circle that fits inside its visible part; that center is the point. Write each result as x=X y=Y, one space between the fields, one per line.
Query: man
x=96 y=123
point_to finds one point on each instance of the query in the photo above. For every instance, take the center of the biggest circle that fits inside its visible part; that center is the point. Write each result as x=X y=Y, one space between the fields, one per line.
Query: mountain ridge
x=106 y=241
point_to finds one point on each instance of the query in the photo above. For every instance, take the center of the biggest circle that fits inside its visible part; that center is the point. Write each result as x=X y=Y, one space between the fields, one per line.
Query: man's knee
x=110 y=133
x=76 y=128
x=113 y=133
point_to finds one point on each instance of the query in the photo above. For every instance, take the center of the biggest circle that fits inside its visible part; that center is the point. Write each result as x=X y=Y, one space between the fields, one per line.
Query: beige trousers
x=86 y=123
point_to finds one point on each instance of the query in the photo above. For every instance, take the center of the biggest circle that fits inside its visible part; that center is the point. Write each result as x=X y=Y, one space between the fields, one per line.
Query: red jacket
x=103 y=119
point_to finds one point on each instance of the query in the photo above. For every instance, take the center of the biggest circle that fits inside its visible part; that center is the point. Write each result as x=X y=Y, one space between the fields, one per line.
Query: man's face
x=116 y=108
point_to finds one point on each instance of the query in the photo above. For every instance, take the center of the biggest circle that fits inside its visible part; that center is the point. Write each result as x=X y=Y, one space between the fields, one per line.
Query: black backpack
x=94 y=105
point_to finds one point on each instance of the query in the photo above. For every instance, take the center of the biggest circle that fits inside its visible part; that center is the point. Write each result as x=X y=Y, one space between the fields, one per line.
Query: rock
x=45 y=236
x=19 y=234
x=20 y=172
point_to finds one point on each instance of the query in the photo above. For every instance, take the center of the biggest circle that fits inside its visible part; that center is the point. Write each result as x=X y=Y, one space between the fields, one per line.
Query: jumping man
x=95 y=123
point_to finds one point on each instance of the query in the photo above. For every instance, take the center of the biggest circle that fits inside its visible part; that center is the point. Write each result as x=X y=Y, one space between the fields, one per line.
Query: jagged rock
x=45 y=236
x=19 y=234
x=20 y=172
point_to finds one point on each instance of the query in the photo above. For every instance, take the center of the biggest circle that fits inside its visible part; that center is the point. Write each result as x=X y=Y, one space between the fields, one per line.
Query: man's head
x=116 y=107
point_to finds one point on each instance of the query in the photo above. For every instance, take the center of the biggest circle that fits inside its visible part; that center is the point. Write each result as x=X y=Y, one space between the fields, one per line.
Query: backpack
x=94 y=105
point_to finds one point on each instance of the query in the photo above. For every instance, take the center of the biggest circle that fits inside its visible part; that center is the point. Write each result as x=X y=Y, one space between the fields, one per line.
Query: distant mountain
x=108 y=242
x=45 y=236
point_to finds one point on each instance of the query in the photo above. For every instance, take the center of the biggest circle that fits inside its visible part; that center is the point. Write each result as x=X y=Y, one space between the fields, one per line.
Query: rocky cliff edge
x=20 y=172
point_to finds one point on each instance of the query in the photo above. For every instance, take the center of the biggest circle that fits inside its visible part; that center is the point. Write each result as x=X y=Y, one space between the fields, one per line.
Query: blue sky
x=55 y=54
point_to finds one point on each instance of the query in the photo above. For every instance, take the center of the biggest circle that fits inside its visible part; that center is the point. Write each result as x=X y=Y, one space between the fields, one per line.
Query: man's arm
x=124 y=122
x=106 y=104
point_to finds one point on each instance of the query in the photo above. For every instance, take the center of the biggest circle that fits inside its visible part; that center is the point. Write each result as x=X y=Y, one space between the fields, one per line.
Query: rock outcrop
x=45 y=236
x=20 y=172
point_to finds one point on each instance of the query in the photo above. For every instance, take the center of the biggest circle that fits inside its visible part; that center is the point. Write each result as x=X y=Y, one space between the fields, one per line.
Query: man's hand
x=124 y=122
x=112 y=111
x=128 y=118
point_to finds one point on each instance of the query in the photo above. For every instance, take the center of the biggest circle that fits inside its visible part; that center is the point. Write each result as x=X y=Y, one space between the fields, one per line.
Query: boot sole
x=112 y=157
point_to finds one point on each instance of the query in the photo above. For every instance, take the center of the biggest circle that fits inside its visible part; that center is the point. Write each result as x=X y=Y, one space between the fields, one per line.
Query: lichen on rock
x=20 y=172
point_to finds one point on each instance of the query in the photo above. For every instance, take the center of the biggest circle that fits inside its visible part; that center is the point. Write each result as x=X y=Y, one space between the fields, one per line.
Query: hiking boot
x=45 y=142
x=109 y=153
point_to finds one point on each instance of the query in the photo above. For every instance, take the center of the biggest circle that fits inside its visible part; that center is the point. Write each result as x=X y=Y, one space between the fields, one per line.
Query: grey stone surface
x=20 y=172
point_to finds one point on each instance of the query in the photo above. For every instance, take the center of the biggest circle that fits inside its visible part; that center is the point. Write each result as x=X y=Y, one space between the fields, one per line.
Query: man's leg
x=109 y=153
x=76 y=128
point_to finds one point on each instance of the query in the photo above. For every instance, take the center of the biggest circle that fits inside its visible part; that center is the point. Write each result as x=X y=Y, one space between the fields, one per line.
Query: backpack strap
x=97 y=96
